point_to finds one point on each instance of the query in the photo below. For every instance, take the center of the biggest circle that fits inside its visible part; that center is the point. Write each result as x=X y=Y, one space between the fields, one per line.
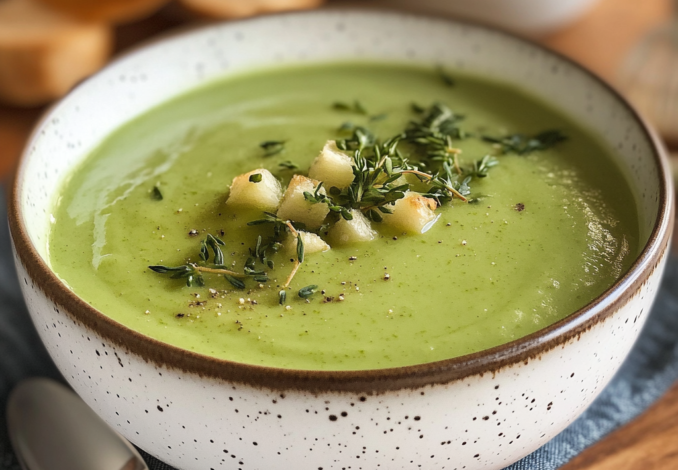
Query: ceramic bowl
x=484 y=410
x=524 y=16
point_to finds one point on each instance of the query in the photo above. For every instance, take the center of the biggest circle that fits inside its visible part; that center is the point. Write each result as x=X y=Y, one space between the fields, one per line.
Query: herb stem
x=292 y=229
x=429 y=178
x=218 y=271
x=297 y=263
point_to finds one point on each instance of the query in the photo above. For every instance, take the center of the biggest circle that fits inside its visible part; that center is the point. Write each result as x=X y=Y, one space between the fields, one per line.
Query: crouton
x=351 y=231
x=332 y=167
x=295 y=207
x=312 y=243
x=264 y=195
x=412 y=214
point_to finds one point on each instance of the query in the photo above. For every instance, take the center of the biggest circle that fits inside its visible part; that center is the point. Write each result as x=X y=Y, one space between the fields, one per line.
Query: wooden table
x=599 y=41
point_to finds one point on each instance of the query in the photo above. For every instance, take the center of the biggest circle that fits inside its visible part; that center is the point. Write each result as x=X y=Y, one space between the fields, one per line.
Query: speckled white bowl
x=484 y=410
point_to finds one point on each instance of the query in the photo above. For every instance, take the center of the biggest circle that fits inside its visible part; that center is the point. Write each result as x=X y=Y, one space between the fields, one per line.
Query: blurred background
x=48 y=46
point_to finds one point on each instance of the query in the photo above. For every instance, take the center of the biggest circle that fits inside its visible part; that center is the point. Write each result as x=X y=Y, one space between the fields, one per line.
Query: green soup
x=549 y=232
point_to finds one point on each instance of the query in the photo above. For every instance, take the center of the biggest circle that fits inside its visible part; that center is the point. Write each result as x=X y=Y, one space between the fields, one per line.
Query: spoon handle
x=51 y=428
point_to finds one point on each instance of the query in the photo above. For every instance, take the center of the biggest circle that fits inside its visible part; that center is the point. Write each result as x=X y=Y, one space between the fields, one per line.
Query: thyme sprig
x=435 y=132
x=482 y=166
x=193 y=272
x=280 y=228
x=521 y=144
x=379 y=167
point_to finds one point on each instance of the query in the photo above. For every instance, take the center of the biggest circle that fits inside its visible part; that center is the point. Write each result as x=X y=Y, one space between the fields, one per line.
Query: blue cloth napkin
x=649 y=371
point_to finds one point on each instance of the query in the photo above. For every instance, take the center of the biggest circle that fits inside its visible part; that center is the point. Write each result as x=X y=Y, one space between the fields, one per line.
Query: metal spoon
x=51 y=428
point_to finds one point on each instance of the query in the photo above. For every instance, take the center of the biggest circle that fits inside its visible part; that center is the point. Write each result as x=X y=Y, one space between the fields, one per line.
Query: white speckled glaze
x=481 y=411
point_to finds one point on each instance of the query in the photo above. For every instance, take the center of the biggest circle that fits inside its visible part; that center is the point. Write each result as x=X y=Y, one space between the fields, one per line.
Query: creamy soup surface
x=545 y=233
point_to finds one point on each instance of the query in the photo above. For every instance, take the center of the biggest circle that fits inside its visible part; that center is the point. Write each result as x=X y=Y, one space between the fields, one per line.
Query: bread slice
x=264 y=195
x=115 y=11
x=44 y=53
x=412 y=214
x=332 y=167
x=296 y=208
x=242 y=8
x=344 y=232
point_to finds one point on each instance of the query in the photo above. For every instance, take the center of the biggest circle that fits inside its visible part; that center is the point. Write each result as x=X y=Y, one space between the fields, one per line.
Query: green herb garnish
x=193 y=272
x=482 y=166
x=378 y=167
x=156 y=194
x=447 y=80
x=288 y=165
x=256 y=178
x=308 y=291
x=521 y=144
x=273 y=147
x=356 y=107
x=237 y=283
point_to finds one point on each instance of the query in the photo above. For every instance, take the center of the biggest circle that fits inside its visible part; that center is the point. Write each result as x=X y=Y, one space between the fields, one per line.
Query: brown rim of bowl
x=373 y=380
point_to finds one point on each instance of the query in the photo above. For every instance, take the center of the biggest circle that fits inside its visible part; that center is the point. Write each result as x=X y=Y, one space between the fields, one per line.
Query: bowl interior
x=150 y=76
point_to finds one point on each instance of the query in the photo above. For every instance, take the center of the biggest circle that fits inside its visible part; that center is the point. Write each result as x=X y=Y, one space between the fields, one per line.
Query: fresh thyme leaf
x=521 y=144
x=417 y=108
x=300 y=249
x=288 y=165
x=359 y=108
x=374 y=215
x=269 y=218
x=444 y=76
x=282 y=297
x=156 y=194
x=204 y=253
x=256 y=178
x=237 y=283
x=308 y=291
x=341 y=106
x=165 y=269
x=213 y=243
x=346 y=127
x=356 y=107
x=482 y=166
x=273 y=147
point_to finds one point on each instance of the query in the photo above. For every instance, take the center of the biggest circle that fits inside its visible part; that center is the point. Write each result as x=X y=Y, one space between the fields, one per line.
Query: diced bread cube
x=356 y=230
x=332 y=167
x=264 y=195
x=412 y=214
x=312 y=243
x=295 y=207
